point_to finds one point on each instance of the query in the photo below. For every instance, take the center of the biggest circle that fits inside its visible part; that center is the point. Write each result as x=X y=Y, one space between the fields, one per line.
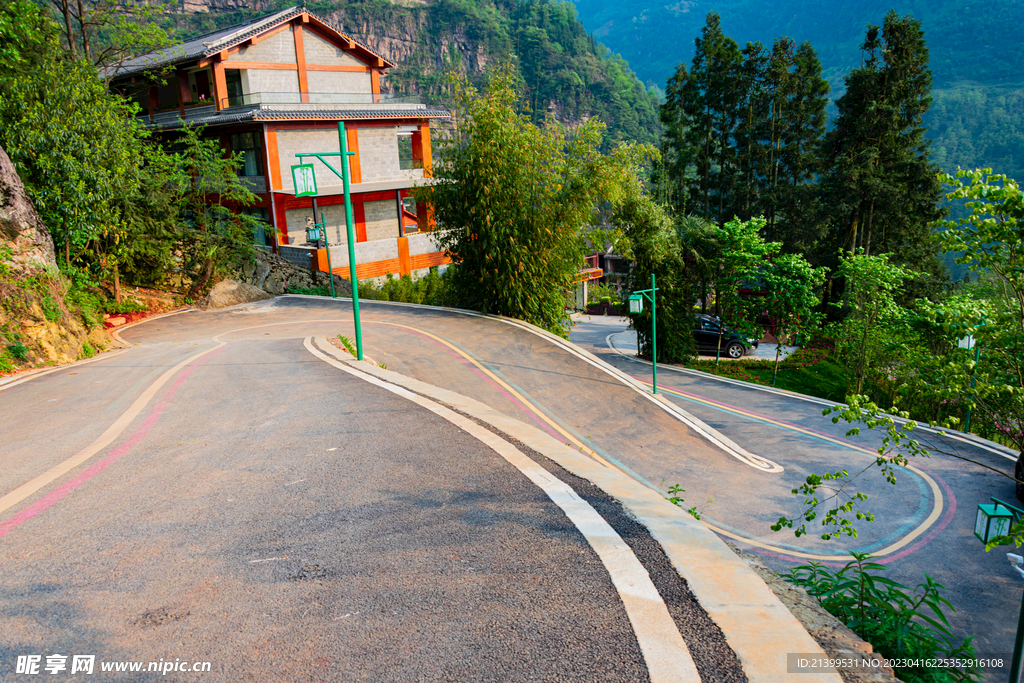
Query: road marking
x=554 y=425
x=972 y=440
x=716 y=438
x=903 y=542
x=112 y=432
x=666 y=655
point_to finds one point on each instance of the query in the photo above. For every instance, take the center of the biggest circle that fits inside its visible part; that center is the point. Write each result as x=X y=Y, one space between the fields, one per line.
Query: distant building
x=279 y=86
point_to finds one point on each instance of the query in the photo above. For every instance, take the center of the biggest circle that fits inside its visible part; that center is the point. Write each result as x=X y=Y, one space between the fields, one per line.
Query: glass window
x=249 y=145
x=233 y=78
x=405 y=160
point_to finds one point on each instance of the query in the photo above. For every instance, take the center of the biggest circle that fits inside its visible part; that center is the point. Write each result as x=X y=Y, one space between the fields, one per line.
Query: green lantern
x=636 y=303
x=992 y=521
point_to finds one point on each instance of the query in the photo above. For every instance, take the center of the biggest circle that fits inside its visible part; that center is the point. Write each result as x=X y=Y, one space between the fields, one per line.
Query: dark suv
x=705 y=334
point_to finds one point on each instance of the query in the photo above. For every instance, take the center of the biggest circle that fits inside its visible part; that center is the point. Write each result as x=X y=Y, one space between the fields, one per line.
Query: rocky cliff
x=36 y=323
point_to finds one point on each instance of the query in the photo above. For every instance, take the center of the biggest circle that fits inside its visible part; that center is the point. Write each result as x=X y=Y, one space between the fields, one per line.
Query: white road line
x=710 y=434
x=667 y=657
x=991 y=447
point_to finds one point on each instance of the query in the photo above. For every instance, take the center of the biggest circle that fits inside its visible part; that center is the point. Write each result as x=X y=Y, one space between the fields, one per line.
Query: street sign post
x=304 y=179
x=993 y=521
x=344 y=175
x=636 y=305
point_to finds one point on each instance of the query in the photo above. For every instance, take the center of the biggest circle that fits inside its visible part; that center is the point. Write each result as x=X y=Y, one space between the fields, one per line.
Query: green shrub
x=316 y=290
x=124 y=307
x=18 y=350
x=51 y=309
x=7 y=363
x=87 y=350
x=899 y=623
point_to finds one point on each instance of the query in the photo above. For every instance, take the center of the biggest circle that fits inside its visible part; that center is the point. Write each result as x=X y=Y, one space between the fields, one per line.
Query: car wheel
x=735 y=350
x=1018 y=473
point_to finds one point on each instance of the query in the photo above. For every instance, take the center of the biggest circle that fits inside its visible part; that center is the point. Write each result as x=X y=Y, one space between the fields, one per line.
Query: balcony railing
x=259 y=98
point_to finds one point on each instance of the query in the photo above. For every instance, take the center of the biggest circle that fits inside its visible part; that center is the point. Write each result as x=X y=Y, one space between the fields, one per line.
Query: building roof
x=223 y=39
x=260 y=115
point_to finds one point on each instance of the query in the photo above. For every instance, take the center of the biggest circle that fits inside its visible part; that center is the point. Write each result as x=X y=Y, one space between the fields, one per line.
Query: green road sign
x=304 y=179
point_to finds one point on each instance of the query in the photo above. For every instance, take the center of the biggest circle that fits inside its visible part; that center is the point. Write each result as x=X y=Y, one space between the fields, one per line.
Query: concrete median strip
x=758 y=627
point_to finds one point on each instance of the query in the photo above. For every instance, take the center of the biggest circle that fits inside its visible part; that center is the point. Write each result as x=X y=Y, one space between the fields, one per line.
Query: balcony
x=281 y=101
x=317 y=100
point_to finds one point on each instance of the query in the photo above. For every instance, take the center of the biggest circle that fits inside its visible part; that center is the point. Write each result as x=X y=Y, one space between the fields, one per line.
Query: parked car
x=734 y=344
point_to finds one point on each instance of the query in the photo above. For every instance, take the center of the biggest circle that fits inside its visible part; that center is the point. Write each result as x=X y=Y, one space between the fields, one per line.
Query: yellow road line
x=902 y=543
x=112 y=432
x=554 y=425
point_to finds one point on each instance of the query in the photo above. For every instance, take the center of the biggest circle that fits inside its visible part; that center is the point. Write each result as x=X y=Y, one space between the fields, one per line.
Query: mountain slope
x=976 y=56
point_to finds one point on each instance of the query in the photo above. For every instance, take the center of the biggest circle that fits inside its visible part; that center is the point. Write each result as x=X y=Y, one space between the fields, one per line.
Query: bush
x=124 y=307
x=18 y=350
x=899 y=623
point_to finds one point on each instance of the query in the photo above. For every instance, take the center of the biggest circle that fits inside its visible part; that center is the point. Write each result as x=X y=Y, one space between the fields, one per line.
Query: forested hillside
x=561 y=68
x=976 y=56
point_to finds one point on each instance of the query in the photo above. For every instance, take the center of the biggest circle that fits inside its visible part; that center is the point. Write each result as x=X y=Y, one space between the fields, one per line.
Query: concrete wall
x=338 y=82
x=276 y=49
x=381 y=219
x=378 y=154
x=423 y=243
x=366 y=252
x=320 y=51
x=289 y=142
x=272 y=80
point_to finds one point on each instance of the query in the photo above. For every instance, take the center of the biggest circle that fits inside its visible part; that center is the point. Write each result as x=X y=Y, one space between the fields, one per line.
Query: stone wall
x=275 y=275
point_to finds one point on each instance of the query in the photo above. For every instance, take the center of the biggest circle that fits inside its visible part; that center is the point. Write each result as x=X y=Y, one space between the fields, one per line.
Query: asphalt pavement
x=791 y=430
x=217 y=494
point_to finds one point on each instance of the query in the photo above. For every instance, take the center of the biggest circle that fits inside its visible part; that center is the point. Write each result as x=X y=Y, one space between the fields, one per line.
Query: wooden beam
x=305 y=18
x=184 y=92
x=300 y=61
x=288 y=66
x=220 y=84
x=354 y=166
x=428 y=159
x=375 y=84
x=339 y=67
x=274 y=172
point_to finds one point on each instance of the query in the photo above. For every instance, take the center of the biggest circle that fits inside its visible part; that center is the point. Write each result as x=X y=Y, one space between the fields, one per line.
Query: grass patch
x=809 y=370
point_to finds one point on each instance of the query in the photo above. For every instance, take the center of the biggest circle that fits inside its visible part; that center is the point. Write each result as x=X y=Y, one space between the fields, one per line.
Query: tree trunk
x=854 y=220
x=117 y=285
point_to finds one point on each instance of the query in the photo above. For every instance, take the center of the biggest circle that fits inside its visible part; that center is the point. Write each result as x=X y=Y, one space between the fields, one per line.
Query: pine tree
x=879 y=181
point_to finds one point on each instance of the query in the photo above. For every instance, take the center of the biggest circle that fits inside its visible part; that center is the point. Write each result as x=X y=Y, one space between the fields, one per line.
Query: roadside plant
x=512 y=200
x=902 y=624
x=791 y=288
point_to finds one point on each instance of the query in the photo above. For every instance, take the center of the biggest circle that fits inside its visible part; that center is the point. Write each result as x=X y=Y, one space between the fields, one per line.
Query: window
x=233 y=78
x=250 y=146
x=405 y=160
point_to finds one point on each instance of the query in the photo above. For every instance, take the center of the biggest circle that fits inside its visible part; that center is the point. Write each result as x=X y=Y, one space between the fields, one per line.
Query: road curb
x=758 y=627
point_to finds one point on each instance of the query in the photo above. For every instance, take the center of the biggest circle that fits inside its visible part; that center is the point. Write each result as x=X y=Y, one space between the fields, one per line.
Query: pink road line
x=65 y=489
x=547 y=428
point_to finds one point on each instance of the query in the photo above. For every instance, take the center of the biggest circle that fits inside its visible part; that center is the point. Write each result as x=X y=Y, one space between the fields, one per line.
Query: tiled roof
x=317 y=115
x=222 y=39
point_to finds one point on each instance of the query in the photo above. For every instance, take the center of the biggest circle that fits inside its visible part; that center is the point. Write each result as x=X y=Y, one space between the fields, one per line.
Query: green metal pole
x=654 y=331
x=977 y=356
x=351 y=240
x=330 y=271
x=1018 y=645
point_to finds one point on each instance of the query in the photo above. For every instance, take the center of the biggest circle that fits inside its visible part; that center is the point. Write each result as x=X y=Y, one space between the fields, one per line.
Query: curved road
x=791 y=430
x=230 y=497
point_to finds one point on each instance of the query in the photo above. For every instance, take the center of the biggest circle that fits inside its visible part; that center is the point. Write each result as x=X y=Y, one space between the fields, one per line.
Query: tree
x=878 y=177
x=742 y=254
x=513 y=199
x=991 y=241
x=790 y=285
x=107 y=33
x=77 y=147
x=874 y=320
